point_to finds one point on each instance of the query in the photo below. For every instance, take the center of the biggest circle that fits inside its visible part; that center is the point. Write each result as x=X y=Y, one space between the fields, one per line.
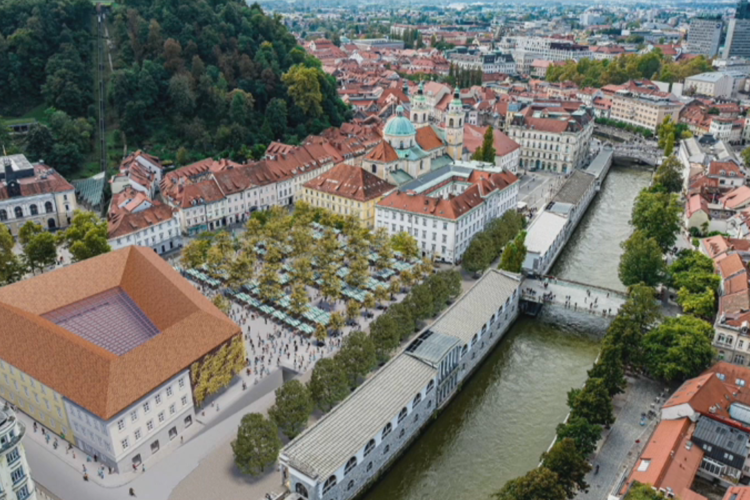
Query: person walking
x=132 y=492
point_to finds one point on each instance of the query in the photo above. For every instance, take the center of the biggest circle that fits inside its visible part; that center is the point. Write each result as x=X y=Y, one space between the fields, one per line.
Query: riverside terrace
x=340 y=456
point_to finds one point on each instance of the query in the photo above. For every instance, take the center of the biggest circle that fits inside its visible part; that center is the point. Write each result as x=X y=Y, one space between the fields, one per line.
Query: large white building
x=737 y=43
x=15 y=476
x=35 y=193
x=527 y=49
x=704 y=36
x=558 y=142
x=446 y=208
x=352 y=445
x=715 y=84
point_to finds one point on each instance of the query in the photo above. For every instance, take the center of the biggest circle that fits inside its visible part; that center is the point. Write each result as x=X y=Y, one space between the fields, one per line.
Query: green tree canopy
x=565 y=460
x=538 y=484
x=86 y=236
x=642 y=261
x=328 y=384
x=357 y=356
x=584 y=434
x=679 y=348
x=592 y=402
x=486 y=152
x=257 y=445
x=658 y=216
x=293 y=408
x=405 y=243
x=668 y=176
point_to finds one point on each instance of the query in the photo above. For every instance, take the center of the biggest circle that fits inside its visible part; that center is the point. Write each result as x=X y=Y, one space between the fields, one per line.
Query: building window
x=146 y=407
x=173 y=433
x=181 y=383
x=3 y=215
x=161 y=416
x=401 y=434
x=188 y=421
x=369 y=447
x=125 y=444
x=387 y=430
x=134 y=415
x=350 y=464
x=350 y=485
x=417 y=400
x=430 y=386
x=401 y=415
x=157 y=398
x=330 y=483
x=137 y=434
x=150 y=425
x=184 y=400
x=171 y=409
x=169 y=391
x=19 y=212
x=34 y=210
x=17 y=475
x=155 y=446
x=120 y=424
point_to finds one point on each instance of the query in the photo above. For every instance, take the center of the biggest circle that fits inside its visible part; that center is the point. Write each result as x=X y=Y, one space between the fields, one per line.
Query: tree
x=337 y=321
x=195 y=253
x=321 y=332
x=537 y=484
x=86 y=236
x=669 y=175
x=257 y=445
x=28 y=231
x=640 y=491
x=486 y=152
x=584 y=434
x=357 y=356
x=41 y=250
x=352 y=310
x=381 y=244
x=514 y=254
x=565 y=460
x=609 y=367
x=746 y=155
x=702 y=305
x=369 y=302
x=592 y=402
x=11 y=269
x=298 y=299
x=405 y=243
x=269 y=287
x=222 y=303
x=641 y=261
x=292 y=409
x=658 y=216
x=679 y=348
x=479 y=254
x=385 y=335
x=328 y=384
x=303 y=86
x=39 y=142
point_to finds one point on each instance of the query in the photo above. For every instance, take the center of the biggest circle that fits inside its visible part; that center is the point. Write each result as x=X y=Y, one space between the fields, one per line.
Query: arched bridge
x=638 y=152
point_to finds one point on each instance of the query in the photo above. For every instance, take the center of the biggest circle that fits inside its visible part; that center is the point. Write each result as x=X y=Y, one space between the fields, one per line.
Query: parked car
x=351 y=322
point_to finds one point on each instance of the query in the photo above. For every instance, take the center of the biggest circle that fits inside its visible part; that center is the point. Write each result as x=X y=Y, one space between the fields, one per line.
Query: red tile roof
x=350 y=182
x=127 y=222
x=474 y=136
x=46 y=180
x=428 y=139
x=383 y=153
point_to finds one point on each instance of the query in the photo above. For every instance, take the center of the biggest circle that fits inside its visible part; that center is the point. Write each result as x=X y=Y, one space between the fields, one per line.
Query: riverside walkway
x=573 y=295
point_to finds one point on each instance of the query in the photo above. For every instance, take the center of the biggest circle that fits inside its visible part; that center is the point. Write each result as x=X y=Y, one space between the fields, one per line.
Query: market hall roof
x=86 y=368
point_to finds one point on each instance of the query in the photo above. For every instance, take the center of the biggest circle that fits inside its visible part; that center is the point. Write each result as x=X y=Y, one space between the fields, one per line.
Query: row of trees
x=488 y=245
x=648 y=134
x=412 y=39
x=670 y=134
x=653 y=65
x=213 y=79
x=460 y=77
x=86 y=237
x=257 y=445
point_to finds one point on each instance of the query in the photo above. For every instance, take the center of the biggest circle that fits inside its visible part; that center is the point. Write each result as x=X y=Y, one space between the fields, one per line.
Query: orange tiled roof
x=383 y=153
x=350 y=182
x=104 y=383
x=428 y=139
x=125 y=223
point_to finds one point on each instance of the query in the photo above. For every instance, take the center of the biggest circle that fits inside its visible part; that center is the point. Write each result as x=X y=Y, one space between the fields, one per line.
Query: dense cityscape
x=332 y=250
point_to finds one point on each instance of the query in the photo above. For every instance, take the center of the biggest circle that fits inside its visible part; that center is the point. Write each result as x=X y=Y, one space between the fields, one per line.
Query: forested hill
x=209 y=77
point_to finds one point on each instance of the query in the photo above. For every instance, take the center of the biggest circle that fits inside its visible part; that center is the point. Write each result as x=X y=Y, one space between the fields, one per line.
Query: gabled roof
x=428 y=139
x=91 y=376
x=474 y=136
x=125 y=223
x=350 y=182
x=383 y=153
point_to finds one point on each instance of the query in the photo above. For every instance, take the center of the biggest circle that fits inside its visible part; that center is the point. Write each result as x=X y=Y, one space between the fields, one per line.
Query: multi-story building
x=343 y=453
x=715 y=84
x=35 y=193
x=559 y=142
x=488 y=62
x=737 y=43
x=446 y=208
x=100 y=352
x=148 y=223
x=526 y=50
x=15 y=476
x=704 y=36
x=347 y=190
x=641 y=103
x=507 y=151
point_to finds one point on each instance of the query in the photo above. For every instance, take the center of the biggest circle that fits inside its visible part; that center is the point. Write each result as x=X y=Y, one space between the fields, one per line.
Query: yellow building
x=644 y=105
x=347 y=190
x=35 y=399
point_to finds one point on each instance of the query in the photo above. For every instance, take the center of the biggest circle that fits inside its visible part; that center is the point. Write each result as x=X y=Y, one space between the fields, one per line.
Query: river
x=505 y=416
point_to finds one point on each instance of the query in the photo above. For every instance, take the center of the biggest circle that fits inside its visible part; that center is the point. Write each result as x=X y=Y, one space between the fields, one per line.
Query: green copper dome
x=400 y=125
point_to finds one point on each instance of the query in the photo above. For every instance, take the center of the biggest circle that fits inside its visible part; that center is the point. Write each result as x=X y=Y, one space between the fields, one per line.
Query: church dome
x=400 y=125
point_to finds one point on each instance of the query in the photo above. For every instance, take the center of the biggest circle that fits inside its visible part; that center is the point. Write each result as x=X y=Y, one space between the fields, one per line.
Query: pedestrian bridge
x=595 y=300
x=638 y=153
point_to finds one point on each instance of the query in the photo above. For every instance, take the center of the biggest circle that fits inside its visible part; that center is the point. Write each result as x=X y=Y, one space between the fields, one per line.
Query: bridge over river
x=573 y=295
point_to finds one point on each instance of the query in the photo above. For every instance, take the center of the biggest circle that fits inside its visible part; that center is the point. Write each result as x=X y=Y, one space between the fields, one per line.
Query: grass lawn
x=34 y=114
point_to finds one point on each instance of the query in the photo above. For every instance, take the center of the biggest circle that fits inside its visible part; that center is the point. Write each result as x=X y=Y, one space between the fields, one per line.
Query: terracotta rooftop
x=474 y=136
x=730 y=266
x=428 y=139
x=125 y=223
x=93 y=377
x=383 y=153
x=350 y=182
x=45 y=180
